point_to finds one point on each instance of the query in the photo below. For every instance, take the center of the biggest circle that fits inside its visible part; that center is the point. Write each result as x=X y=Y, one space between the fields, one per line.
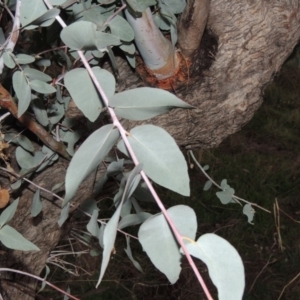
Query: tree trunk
x=245 y=44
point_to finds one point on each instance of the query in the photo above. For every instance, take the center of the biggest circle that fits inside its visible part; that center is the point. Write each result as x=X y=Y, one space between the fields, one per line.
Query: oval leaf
x=159 y=242
x=24 y=159
x=84 y=93
x=224 y=264
x=144 y=103
x=23 y=91
x=25 y=143
x=121 y=28
x=88 y=157
x=24 y=58
x=162 y=160
x=42 y=87
x=80 y=35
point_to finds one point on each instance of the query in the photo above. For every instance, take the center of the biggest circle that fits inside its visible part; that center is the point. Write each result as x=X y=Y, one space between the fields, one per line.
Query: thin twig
x=265 y=266
x=40 y=279
x=288 y=285
x=190 y=152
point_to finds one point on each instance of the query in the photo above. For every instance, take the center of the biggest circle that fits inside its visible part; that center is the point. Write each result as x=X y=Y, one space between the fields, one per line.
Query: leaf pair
x=224 y=263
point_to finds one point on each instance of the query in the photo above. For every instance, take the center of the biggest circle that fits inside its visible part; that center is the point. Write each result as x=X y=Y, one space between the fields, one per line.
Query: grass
x=262 y=163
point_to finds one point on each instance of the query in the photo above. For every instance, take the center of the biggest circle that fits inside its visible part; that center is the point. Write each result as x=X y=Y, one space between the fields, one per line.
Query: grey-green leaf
x=64 y=214
x=106 y=39
x=225 y=196
x=133 y=219
x=92 y=225
x=8 y=213
x=36 y=74
x=88 y=157
x=110 y=230
x=144 y=103
x=224 y=265
x=129 y=254
x=12 y=239
x=25 y=143
x=141 y=5
x=80 y=35
x=249 y=211
x=84 y=93
x=159 y=242
x=42 y=87
x=24 y=158
x=207 y=185
x=8 y=59
x=40 y=112
x=23 y=91
x=37 y=205
x=24 y=58
x=121 y=28
x=162 y=160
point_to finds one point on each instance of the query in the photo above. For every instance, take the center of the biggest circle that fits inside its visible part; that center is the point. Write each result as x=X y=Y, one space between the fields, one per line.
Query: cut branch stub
x=191 y=26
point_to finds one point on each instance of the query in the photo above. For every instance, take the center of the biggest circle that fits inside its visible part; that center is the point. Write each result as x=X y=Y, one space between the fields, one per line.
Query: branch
x=191 y=26
x=7 y=102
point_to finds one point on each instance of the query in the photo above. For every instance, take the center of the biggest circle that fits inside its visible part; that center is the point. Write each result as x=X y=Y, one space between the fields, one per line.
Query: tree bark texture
x=246 y=43
x=252 y=38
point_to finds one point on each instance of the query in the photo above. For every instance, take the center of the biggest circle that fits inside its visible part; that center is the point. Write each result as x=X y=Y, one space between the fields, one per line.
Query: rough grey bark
x=254 y=37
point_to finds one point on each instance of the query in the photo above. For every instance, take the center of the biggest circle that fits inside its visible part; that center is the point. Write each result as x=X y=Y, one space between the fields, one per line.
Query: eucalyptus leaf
x=226 y=196
x=56 y=112
x=84 y=93
x=110 y=230
x=88 y=157
x=34 y=74
x=106 y=39
x=144 y=103
x=31 y=10
x=24 y=158
x=40 y=112
x=64 y=214
x=92 y=225
x=12 y=239
x=121 y=28
x=249 y=211
x=128 y=48
x=129 y=254
x=43 y=285
x=8 y=59
x=42 y=87
x=25 y=143
x=8 y=213
x=140 y=5
x=162 y=160
x=158 y=241
x=45 y=20
x=37 y=205
x=224 y=265
x=23 y=91
x=80 y=35
x=207 y=185
x=24 y=58
x=133 y=219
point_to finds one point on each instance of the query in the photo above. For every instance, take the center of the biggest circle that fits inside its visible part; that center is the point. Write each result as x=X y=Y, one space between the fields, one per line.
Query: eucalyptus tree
x=214 y=57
